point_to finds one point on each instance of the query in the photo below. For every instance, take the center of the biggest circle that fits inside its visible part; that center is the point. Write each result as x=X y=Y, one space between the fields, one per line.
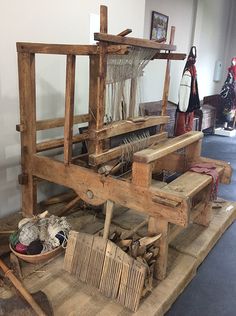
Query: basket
x=40 y=258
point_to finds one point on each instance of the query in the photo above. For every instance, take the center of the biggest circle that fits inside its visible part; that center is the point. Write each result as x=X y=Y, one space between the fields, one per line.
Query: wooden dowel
x=19 y=286
x=109 y=212
x=125 y=32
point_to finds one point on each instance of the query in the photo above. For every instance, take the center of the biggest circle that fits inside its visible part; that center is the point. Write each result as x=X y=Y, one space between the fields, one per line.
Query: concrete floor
x=213 y=290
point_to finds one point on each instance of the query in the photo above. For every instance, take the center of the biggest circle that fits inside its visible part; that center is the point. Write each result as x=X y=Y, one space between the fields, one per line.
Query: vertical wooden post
x=142 y=174
x=26 y=72
x=93 y=97
x=158 y=225
x=167 y=80
x=69 y=107
x=109 y=212
x=204 y=217
x=101 y=86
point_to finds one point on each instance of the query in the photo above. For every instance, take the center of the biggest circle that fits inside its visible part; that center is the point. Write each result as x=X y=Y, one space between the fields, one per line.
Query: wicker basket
x=40 y=258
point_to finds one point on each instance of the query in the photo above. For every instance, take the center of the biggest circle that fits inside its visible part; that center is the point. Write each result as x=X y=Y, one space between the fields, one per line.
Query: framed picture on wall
x=159 y=27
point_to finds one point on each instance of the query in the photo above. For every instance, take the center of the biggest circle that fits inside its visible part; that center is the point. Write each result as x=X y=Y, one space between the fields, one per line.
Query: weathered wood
x=205 y=215
x=132 y=41
x=170 y=56
x=59 y=142
x=26 y=72
x=190 y=183
x=167 y=147
x=58 y=122
x=69 y=206
x=167 y=77
x=125 y=32
x=160 y=226
x=141 y=174
x=117 y=151
x=93 y=97
x=109 y=212
x=66 y=49
x=102 y=189
x=126 y=126
x=69 y=108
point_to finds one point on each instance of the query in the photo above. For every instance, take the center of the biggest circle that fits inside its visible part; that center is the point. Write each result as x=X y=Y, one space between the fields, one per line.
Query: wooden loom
x=180 y=202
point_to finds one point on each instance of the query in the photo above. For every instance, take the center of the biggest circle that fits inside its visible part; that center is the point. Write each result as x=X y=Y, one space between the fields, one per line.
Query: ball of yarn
x=14 y=238
x=61 y=236
x=35 y=247
x=23 y=221
x=29 y=233
x=21 y=248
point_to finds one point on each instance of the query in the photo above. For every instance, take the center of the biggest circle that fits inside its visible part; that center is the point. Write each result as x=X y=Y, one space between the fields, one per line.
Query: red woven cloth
x=209 y=169
x=184 y=123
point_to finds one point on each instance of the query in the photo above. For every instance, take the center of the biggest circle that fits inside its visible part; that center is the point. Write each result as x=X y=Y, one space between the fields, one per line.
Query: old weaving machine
x=124 y=150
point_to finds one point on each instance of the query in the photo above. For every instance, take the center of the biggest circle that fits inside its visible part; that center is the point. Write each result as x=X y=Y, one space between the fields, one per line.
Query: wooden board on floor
x=186 y=252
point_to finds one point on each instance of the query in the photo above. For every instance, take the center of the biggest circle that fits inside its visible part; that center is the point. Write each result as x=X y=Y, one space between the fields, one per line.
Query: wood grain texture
x=69 y=107
x=26 y=73
x=126 y=126
x=167 y=147
x=132 y=41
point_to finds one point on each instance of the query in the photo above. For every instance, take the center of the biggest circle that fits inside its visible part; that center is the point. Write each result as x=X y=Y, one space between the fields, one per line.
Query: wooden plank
x=59 y=142
x=96 y=262
x=69 y=107
x=26 y=73
x=132 y=41
x=107 y=278
x=117 y=151
x=58 y=122
x=171 y=56
x=70 y=251
x=67 y=49
x=125 y=32
x=103 y=188
x=126 y=126
x=127 y=264
x=167 y=147
x=190 y=183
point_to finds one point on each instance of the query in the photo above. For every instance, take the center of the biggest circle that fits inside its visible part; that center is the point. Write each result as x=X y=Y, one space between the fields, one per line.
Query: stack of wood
x=121 y=271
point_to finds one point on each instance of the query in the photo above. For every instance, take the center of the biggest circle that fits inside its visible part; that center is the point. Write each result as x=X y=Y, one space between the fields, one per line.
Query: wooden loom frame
x=162 y=205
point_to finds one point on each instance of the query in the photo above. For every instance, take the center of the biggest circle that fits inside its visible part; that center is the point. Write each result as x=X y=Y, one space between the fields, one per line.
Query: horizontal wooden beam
x=170 y=56
x=122 y=127
x=132 y=41
x=56 y=122
x=117 y=151
x=67 y=49
x=167 y=147
x=95 y=189
x=58 y=142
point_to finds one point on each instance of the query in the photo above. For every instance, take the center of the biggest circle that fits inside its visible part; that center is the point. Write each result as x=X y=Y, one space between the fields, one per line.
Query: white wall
x=54 y=21
x=211 y=34
x=181 y=15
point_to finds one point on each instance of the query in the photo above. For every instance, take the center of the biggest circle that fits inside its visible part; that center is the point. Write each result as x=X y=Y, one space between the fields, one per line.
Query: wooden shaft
x=167 y=79
x=109 y=212
x=101 y=86
x=125 y=32
x=59 y=142
x=69 y=108
x=26 y=72
x=19 y=286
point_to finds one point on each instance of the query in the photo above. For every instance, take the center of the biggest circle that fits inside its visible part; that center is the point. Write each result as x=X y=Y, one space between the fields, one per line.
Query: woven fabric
x=209 y=169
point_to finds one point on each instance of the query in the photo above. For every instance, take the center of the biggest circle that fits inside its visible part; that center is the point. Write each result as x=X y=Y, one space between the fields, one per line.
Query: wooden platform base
x=187 y=251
